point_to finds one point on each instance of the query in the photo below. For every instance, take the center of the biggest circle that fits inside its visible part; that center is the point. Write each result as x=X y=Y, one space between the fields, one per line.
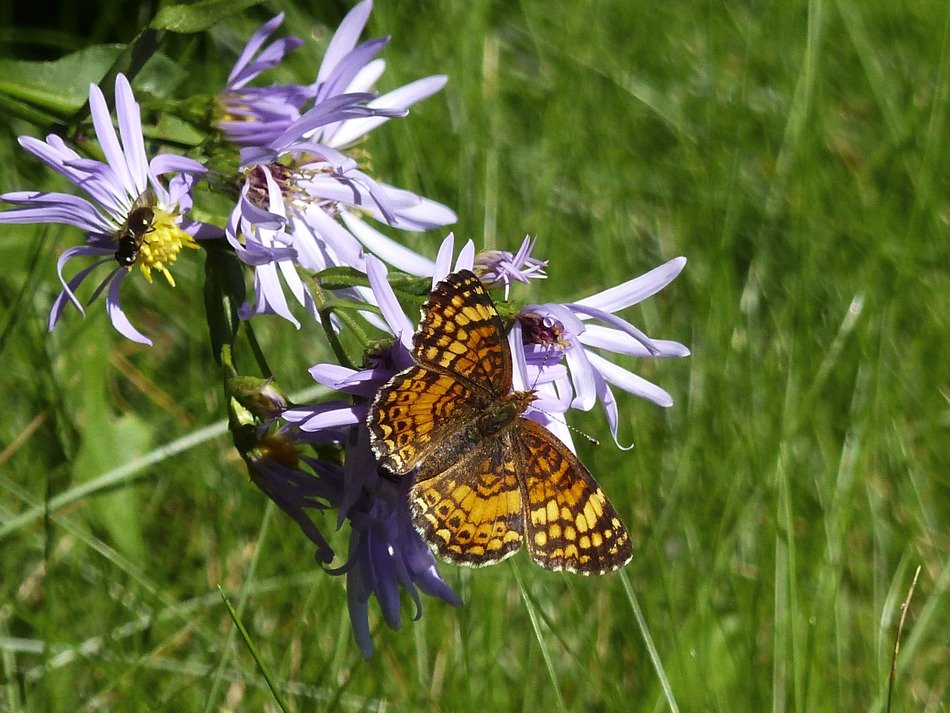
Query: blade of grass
x=257 y=659
x=935 y=606
x=800 y=109
x=8 y=668
x=897 y=639
x=648 y=640
x=536 y=626
x=242 y=603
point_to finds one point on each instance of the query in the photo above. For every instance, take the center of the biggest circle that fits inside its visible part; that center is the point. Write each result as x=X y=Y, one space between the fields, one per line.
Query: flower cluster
x=302 y=222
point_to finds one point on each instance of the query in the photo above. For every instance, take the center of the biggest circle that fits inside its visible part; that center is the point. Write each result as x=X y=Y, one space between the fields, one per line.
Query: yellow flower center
x=161 y=245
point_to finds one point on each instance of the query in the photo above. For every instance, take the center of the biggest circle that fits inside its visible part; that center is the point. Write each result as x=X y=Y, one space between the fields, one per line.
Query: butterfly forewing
x=416 y=411
x=461 y=334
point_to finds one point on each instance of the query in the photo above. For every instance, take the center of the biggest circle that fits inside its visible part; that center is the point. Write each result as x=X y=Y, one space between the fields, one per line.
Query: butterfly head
x=520 y=401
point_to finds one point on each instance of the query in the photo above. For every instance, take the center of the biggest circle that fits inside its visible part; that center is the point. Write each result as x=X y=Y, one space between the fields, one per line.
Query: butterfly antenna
x=557 y=417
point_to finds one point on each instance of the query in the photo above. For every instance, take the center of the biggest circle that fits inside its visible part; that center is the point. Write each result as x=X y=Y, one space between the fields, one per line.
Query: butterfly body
x=490 y=423
x=487 y=477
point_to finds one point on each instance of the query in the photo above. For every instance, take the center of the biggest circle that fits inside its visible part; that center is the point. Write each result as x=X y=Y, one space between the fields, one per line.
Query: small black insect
x=130 y=235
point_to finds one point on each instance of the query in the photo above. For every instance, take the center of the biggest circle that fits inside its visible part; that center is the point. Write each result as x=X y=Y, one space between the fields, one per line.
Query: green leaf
x=111 y=443
x=198 y=16
x=60 y=87
x=106 y=443
x=160 y=75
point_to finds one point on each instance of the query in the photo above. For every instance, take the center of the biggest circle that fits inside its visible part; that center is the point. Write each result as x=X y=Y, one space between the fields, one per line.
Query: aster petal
x=339 y=161
x=619 y=323
x=443 y=260
x=355 y=189
x=53 y=152
x=547 y=373
x=409 y=211
x=553 y=396
x=170 y=163
x=56 y=154
x=630 y=382
x=397 y=255
x=239 y=77
x=328 y=111
x=130 y=129
x=386 y=299
x=401 y=98
x=412 y=93
x=564 y=389
x=331 y=375
x=466 y=258
x=270 y=57
x=312 y=251
x=519 y=371
x=344 y=39
x=607 y=400
x=359 y=617
x=359 y=476
x=40 y=207
x=293 y=491
x=296 y=286
x=270 y=295
x=116 y=315
x=70 y=286
x=100 y=181
x=359 y=383
x=582 y=376
x=385 y=566
x=349 y=67
x=105 y=132
x=332 y=414
x=347 y=249
x=621 y=343
x=367 y=76
x=422 y=568
x=635 y=290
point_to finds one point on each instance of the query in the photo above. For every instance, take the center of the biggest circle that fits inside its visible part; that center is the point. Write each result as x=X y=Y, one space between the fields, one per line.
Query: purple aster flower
x=386 y=554
x=551 y=332
x=500 y=267
x=325 y=196
x=134 y=219
x=296 y=483
x=255 y=116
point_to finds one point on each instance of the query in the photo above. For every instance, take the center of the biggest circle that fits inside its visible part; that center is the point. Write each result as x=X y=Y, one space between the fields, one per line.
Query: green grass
x=795 y=153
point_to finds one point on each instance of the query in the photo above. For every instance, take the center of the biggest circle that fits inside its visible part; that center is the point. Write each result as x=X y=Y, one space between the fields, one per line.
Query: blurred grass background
x=794 y=152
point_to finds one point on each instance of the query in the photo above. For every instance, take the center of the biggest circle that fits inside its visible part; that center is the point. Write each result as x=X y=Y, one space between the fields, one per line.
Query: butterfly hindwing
x=569 y=522
x=471 y=513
